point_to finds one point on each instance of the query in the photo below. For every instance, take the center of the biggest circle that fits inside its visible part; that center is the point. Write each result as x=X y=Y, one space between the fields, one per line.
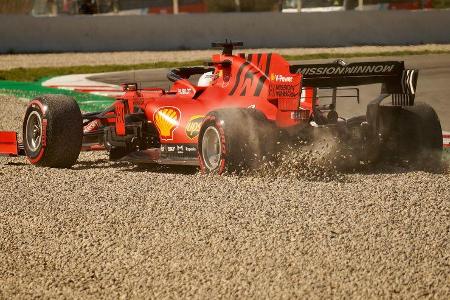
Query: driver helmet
x=206 y=79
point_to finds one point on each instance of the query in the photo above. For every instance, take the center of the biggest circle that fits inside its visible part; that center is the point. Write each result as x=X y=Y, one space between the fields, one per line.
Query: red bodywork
x=256 y=81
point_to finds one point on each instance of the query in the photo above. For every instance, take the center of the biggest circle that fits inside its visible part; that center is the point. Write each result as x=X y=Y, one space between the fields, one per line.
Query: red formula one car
x=243 y=109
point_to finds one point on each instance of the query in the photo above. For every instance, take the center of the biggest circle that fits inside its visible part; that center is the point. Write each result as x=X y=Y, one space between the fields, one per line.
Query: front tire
x=53 y=131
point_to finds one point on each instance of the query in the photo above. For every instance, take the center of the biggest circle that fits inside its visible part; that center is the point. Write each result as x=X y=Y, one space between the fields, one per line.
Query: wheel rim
x=211 y=148
x=34 y=131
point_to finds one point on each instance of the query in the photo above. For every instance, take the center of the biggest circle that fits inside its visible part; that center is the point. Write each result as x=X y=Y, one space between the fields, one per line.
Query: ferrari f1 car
x=244 y=108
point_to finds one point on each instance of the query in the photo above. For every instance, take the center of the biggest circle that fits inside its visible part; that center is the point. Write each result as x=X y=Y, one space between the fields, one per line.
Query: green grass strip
x=34 y=74
x=30 y=90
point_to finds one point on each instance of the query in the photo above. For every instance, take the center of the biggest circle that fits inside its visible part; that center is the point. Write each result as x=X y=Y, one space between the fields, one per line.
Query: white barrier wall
x=196 y=31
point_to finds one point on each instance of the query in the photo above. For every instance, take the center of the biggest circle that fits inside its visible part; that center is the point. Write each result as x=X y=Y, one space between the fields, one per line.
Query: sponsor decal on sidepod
x=193 y=126
x=167 y=119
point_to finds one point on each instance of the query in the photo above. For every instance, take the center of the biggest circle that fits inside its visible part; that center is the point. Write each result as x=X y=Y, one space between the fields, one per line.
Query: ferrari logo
x=167 y=119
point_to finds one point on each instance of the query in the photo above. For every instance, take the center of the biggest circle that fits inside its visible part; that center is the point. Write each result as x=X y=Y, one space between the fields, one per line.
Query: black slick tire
x=242 y=137
x=413 y=134
x=53 y=131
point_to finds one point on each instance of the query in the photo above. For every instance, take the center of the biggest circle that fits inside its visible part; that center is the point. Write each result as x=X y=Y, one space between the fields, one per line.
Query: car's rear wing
x=395 y=79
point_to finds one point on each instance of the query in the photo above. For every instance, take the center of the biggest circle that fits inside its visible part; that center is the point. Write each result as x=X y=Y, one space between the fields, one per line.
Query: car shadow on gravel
x=311 y=175
x=124 y=166
x=386 y=168
x=164 y=169
x=99 y=164
x=307 y=172
x=17 y=164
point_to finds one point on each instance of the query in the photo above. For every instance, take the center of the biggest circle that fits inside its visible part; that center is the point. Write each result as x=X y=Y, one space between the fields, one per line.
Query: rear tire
x=53 y=131
x=414 y=134
x=233 y=140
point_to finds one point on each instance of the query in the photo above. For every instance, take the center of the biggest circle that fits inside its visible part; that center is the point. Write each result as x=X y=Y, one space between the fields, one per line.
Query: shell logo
x=167 y=119
x=272 y=77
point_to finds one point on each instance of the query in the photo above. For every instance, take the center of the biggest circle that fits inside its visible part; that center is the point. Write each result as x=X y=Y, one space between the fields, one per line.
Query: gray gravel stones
x=114 y=230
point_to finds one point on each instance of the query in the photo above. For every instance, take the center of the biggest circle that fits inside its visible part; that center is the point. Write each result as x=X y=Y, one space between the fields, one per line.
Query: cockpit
x=190 y=79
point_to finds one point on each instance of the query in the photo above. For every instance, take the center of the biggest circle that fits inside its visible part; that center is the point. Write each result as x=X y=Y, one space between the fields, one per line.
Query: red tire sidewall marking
x=217 y=124
x=36 y=159
x=223 y=148
x=199 y=148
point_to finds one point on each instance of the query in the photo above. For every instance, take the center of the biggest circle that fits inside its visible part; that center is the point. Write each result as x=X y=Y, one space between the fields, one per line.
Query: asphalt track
x=105 y=230
x=433 y=85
